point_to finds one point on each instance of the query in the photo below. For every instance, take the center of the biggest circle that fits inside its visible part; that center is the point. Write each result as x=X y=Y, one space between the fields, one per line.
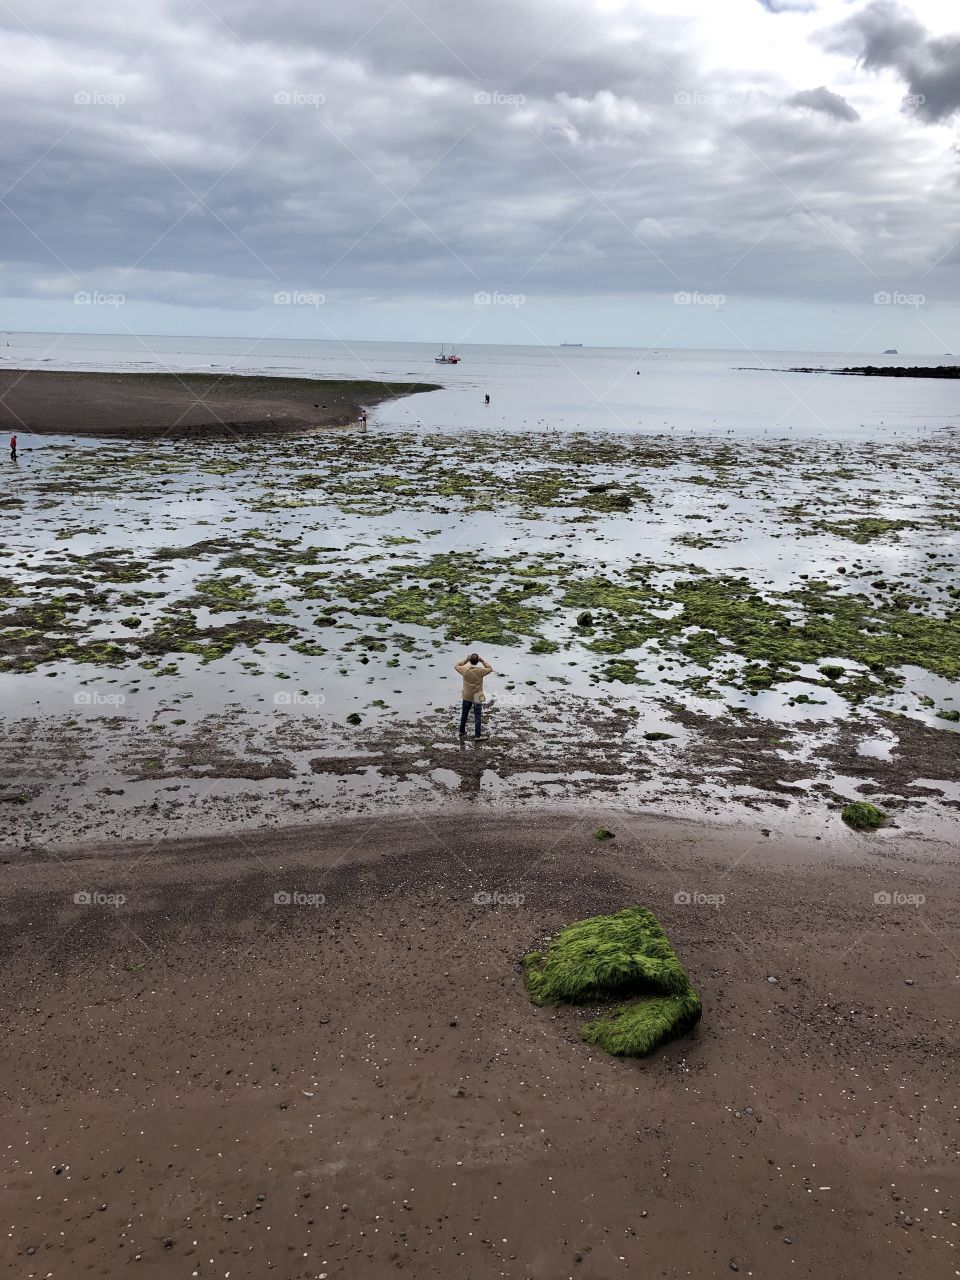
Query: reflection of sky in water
x=747 y=525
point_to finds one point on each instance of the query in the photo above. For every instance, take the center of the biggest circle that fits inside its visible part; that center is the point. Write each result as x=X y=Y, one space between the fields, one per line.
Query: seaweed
x=863 y=816
x=635 y=1030
x=608 y=958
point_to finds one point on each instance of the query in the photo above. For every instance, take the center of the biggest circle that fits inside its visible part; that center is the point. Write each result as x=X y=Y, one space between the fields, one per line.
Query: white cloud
x=560 y=148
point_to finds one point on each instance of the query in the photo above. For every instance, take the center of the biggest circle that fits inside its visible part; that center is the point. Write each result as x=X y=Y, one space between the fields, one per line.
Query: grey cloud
x=375 y=150
x=826 y=102
x=886 y=36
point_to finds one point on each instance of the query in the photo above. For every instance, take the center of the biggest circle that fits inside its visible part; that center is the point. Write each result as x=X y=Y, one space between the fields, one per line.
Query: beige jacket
x=473 y=679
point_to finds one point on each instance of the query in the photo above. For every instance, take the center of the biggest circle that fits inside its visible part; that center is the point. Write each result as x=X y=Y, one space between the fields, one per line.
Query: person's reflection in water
x=470 y=767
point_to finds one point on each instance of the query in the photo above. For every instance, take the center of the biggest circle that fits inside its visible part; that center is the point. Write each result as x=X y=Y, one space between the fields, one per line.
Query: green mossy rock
x=863 y=816
x=605 y=958
x=609 y=958
x=637 y=1029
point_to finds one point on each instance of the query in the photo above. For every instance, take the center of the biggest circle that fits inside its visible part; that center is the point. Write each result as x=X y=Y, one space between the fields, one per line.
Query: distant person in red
x=13 y=448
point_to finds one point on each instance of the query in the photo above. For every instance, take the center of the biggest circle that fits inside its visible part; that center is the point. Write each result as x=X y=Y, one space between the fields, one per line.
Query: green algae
x=865 y=529
x=863 y=816
x=606 y=501
x=177 y=632
x=698 y=541
x=621 y=670
x=488 y=611
x=607 y=958
x=635 y=1030
x=224 y=594
x=718 y=629
x=773 y=630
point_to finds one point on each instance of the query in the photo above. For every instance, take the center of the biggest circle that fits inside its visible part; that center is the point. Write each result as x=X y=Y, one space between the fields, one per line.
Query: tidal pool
x=214 y=634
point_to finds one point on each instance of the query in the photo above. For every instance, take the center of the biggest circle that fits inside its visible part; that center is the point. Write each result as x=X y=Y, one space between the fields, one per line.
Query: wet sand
x=201 y=1081
x=179 y=405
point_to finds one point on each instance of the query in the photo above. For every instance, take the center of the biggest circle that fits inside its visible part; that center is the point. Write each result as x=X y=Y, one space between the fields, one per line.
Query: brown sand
x=178 y=405
x=203 y=1082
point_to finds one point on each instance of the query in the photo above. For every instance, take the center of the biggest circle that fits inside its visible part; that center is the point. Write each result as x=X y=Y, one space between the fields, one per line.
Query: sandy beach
x=264 y=912
x=202 y=1080
x=145 y=406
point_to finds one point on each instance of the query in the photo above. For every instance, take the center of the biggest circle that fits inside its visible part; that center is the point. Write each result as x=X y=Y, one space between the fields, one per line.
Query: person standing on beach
x=473 y=668
x=13 y=448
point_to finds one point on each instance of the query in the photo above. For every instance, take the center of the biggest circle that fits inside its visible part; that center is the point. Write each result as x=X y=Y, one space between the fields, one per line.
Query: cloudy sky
x=717 y=173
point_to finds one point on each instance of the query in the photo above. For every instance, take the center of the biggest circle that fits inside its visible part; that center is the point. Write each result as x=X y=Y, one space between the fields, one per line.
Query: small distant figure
x=362 y=420
x=486 y=399
x=13 y=448
x=473 y=668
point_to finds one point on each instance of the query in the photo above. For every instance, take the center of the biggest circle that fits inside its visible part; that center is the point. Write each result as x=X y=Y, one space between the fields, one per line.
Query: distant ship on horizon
x=571 y=344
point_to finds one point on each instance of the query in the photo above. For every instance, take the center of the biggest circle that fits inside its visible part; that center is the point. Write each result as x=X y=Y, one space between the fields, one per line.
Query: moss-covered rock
x=637 y=1029
x=863 y=816
x=608 y=958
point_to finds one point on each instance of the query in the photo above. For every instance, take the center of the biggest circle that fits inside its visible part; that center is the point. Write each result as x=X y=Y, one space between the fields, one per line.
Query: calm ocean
x=561 y=388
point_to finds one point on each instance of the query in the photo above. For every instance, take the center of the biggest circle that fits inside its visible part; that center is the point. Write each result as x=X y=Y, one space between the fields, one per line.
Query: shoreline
x=366 y=1076
x=820 y=847
x=148 y=406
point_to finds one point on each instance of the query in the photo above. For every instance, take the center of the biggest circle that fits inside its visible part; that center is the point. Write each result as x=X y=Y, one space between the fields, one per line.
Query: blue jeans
x=464 y=713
